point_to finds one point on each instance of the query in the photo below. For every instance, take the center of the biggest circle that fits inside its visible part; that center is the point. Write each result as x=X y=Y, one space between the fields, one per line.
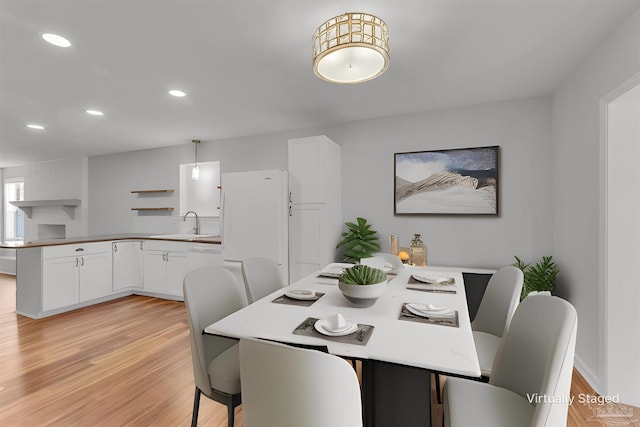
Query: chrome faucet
x=197 y=229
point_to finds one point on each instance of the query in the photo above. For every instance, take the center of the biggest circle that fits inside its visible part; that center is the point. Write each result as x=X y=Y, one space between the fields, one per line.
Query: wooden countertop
x=215 y=240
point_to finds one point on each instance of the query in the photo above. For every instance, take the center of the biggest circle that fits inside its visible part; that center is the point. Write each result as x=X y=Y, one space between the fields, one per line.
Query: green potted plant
x=362 y=284
x=360 y=241
x=538 y=277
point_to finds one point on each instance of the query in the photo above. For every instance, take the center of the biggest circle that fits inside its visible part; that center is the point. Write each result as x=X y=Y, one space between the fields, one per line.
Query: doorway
x=621 y=249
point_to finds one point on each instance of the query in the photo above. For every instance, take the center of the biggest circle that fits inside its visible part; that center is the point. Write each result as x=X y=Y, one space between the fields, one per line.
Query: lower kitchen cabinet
x=127 y=265
x=75 y=273
x=164 y=271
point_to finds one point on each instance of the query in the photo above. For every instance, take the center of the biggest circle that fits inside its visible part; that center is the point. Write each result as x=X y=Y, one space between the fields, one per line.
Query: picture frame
x=459 y=181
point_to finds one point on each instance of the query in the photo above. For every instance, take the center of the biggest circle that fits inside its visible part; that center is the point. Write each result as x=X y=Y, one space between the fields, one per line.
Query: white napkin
x=430 y=310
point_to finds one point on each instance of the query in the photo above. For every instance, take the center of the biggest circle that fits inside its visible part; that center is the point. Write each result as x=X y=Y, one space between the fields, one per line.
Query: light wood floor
x=126 y=362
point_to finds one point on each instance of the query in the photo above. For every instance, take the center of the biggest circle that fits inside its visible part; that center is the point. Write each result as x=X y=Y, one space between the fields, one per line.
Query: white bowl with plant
x=362 y=284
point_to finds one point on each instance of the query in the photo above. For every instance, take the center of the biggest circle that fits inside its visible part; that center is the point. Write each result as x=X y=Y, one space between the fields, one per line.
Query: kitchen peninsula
x=55 y=276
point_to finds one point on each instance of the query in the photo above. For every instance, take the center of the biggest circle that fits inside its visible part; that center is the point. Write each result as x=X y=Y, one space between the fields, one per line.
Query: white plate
x=321 y=326
x=301 y=294
x=335 y=269
x=433 y=280
x=429 y=310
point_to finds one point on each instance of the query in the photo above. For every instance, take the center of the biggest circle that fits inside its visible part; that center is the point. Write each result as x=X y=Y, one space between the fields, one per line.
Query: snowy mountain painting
x=459 y=181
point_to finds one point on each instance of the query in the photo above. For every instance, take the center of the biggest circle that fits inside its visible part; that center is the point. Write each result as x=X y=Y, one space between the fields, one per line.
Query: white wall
x=578 y=186
x=59 y=179
x=521 y=128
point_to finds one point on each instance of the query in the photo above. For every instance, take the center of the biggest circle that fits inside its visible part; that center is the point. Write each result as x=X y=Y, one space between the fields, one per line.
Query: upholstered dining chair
x=494 y=314
x=492 y=319
x=261 y=277
x=531 y=375
x=285 y=386
x=210 y=294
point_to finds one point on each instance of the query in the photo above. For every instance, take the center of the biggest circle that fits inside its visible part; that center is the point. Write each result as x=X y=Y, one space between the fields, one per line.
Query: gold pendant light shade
x=351 y=48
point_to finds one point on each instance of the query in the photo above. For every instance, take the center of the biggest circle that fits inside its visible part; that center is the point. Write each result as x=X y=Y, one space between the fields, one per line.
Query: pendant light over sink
x=351 y=48
x=195 y=172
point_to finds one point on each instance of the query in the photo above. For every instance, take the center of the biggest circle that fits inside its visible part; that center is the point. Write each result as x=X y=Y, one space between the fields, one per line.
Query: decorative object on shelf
x=351 y=48
x=418 y=251
x=195 y=172
x=362 y=284
x=454 y=181
x=539 y=277
x=359 y=242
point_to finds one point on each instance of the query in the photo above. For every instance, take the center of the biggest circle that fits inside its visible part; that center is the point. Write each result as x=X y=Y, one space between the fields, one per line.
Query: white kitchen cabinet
x=60 y=286
x=165 y=265
x=315 y=185
x=127 y=265
x=75 y=273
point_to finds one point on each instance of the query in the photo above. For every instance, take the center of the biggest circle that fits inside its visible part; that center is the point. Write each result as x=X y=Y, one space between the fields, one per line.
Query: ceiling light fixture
x=351 y=48
x=95 y=112
x=34 y=126
x=56 y=40
x=195 y=172
x=177 y=93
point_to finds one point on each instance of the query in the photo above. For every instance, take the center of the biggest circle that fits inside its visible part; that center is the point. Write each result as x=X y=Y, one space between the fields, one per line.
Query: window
x=13 y=217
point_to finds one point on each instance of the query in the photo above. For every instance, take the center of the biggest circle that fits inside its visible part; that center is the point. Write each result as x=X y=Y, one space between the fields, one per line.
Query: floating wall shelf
x=151 y=209
x=151 y=191
x=69 y=205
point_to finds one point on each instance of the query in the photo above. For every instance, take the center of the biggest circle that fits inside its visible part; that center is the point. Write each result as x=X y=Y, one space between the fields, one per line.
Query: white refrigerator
x=255 y=218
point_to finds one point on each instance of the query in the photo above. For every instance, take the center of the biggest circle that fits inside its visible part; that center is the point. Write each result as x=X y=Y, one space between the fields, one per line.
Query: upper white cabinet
x=315 y=185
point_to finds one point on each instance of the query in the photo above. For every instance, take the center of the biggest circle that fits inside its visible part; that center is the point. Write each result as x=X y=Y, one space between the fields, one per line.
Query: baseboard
x=593 y=379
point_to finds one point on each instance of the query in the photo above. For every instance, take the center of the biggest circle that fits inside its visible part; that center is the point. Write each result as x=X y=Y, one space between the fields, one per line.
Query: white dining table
x=397 y=352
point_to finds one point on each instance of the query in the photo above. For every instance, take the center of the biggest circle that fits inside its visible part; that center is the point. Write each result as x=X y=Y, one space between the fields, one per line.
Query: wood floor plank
x=122 y=363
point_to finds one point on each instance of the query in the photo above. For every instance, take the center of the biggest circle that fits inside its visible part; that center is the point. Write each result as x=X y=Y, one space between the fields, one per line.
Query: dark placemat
x=405 y=314
x=417 y=285
x=359 y=337
x=283 y=299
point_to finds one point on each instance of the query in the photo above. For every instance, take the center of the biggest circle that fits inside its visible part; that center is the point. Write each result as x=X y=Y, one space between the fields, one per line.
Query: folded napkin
x=430 y=311
x=433 y=280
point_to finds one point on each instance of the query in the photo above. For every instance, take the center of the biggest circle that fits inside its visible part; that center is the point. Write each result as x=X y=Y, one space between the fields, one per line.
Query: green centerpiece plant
x=538 y=277
x=360 y=241
x=362 y=275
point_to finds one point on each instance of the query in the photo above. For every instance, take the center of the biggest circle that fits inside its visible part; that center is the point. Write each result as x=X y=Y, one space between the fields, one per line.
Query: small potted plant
x=539 y=277
x=362 y=284
x=359 y=242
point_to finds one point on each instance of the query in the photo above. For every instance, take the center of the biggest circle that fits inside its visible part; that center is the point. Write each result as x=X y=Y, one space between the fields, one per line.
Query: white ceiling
x=246 y=66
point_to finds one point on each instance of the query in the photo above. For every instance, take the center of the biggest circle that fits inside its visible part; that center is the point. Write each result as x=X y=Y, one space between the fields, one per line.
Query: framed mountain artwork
x=461 y=181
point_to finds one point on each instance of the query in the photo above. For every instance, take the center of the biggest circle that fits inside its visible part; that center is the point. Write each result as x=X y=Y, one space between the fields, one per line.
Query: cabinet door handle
x=81 y=261
x=77 y=262
x=167 y=256
x=290 y=197
x=290 y=210
x=115 y=247
x=141 y=246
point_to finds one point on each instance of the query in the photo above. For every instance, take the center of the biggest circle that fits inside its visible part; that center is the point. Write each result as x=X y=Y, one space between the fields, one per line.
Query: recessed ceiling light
x=34 y=126
x=95 y=112
x=177 y=93
x=56 y=40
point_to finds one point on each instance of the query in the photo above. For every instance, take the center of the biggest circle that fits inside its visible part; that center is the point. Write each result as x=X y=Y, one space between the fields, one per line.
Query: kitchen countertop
x=107 y=237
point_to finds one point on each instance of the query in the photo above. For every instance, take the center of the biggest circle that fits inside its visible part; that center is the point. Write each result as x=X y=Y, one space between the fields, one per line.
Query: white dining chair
x=285 y=386
x=384 y=261
x=261 y=277
x=494 y=314
x=210 y=294
x=531 y=375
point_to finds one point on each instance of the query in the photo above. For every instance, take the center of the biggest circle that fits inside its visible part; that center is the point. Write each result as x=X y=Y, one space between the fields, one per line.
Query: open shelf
x=151 y=209
x=69 y=205
x=151 y=191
